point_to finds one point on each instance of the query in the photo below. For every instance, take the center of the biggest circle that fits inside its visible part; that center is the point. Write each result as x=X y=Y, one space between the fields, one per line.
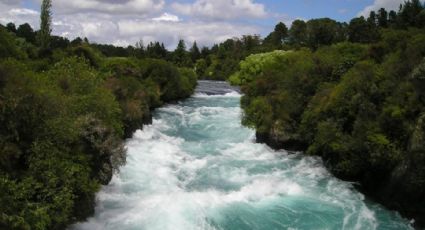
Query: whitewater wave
x=196 y=167
x=229 y=94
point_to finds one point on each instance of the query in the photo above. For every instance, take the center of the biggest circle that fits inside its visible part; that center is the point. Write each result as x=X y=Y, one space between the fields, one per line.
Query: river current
x=196 y=167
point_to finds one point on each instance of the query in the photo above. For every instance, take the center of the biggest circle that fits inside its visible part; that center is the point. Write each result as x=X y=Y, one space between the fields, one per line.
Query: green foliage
x=276 y=38
x=173 y=84
x=45 y=24
x=254 y=65
x=61 y=132
x=298 y=33
x=91 y=55
x=201 y=68
x=258 y=114
x=362 y=31
x=8 y=46
x=188 y=81
x=195 y=53
x=322 y=32
x=25 y=31
x=358 y=106
x=276 y=87
x=180 y=56
x=418 y=79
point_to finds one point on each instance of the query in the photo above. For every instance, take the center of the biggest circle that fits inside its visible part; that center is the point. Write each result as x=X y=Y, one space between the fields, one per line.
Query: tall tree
x=276 y=38
x=322 y=31
x=298 y=32
x=392 y=18
x=195 y=54
x=250 y=42
x=382 y=18
x=408 y=13
x=180 y=55
x=205 y=51
x=45 y=24
x=156 y=50
x=372 y=18
x=362 y=31
x=140 y=49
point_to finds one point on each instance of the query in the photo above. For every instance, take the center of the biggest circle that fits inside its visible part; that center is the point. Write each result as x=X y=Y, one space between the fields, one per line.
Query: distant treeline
x=353 y=94
x=221 y=60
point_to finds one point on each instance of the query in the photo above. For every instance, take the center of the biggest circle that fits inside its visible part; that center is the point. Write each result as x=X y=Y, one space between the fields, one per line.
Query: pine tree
x=195 y=54
x=45 y=24
x=382 y=18
x=180 y=55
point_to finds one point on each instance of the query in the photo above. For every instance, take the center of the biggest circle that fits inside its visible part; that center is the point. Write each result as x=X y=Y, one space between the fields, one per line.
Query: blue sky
x=124 y=22
x=342 y=10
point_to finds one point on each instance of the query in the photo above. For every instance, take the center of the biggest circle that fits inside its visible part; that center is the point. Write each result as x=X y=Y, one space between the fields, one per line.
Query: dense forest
x=352 y=94
x=65 y=109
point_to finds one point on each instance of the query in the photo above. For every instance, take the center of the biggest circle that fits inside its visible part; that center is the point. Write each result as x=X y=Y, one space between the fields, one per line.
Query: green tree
x=250 y=42
x=408 y=13
x=180 y=55
x=276 y=38
x=156 y=50
x=8 y=46
x=360 y=30
x=392 y=18
x=45 y=24
x=322 y=31
x=205 y=51
x=298 y=32
x=372 y=18
x=383 y=18
x=201 y=68
x=11 y=27
x=25 y=31
x=195 y=54
x=140 y=47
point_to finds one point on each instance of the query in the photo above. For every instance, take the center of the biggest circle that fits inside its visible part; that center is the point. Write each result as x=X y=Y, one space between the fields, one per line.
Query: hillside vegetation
x=357 y=103
x=64 y=112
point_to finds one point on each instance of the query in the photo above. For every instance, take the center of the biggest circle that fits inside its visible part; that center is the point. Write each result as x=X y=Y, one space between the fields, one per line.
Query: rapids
x=196 y=167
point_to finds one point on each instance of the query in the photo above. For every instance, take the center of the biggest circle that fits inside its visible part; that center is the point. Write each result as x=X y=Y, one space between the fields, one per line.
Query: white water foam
x=229 y=94
x=218 y=178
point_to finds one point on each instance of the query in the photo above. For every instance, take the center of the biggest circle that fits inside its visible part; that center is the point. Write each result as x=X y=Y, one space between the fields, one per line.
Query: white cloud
x=166 y=17
x=102 y=21
x=22 y=12
x=222 y=9
x=205 y=33
x=124 y=31
x=11 y=13
x=140 y=7
x=378 y=4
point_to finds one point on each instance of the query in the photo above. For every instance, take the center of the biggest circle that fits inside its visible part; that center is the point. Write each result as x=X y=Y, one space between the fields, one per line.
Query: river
x=196 y=167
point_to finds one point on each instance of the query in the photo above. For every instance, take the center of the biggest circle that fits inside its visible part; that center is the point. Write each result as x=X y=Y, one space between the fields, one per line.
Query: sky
x=125 y=22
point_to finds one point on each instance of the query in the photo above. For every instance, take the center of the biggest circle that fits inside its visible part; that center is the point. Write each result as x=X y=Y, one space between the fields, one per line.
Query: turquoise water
x=196 y=167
